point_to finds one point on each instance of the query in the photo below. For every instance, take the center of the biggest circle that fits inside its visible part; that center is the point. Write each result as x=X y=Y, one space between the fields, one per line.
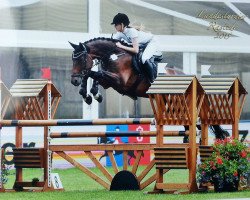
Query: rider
x=137 y=38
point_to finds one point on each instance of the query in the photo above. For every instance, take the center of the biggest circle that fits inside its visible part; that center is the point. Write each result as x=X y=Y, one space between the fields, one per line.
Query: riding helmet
x=121 y=18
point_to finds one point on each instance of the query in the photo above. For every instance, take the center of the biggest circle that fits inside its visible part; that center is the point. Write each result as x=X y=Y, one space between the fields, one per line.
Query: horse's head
x=82 y=63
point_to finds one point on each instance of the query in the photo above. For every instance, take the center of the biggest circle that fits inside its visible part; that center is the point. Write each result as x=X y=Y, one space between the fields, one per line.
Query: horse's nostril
x=75 y=82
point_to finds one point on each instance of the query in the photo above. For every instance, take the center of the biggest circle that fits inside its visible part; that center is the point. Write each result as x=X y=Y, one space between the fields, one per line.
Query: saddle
x=137 y=59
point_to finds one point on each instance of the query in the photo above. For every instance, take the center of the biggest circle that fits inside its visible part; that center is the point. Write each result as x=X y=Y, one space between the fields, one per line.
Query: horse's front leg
x=83 y=91
x=94 y=91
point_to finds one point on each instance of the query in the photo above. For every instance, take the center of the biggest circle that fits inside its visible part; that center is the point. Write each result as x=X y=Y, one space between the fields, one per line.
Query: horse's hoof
x=88 y=100
x=99 y=99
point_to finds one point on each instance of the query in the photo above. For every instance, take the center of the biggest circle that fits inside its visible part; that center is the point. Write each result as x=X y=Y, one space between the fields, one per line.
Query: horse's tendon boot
x=149 y=68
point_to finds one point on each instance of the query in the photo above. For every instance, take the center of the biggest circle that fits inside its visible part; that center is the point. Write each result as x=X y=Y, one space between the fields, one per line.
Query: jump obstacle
x=175 y=100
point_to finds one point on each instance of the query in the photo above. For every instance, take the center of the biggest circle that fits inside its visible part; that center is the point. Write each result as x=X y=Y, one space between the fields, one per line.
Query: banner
x=116 y=140
x=145 y=158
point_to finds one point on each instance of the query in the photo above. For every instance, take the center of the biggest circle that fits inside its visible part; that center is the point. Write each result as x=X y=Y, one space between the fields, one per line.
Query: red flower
x=243 y=154
x=214 y=168
x=227 y=140
x=219 y=161
x=235 y=173
x=218 y=141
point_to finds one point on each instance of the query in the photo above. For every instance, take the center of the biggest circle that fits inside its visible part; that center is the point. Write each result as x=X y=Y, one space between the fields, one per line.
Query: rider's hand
x=118 y=44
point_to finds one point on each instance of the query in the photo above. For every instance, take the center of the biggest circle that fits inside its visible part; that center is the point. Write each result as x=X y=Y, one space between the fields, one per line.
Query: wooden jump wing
x=176 y=100
x=34 y=99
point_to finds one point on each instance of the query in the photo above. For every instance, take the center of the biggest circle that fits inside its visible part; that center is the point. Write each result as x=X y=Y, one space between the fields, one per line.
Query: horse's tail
x=219 y=132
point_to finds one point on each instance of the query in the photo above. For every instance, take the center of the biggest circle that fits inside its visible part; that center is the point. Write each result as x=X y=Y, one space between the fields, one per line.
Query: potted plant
x=229 y=163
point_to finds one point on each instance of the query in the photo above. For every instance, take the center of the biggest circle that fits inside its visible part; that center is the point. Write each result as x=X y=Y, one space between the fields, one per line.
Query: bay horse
x=116 y=70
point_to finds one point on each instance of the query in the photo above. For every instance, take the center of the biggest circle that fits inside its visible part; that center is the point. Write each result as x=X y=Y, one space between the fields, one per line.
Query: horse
x=116 y=70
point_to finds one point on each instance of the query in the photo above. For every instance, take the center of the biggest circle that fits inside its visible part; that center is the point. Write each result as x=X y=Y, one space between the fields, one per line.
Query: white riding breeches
x=149 y=50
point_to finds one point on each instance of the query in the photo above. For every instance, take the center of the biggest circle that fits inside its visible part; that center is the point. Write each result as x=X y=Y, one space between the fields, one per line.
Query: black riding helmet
x=121 y=18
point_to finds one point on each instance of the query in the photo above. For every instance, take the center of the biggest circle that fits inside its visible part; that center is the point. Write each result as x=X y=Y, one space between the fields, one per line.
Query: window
x=229 y=64
x=46 y=15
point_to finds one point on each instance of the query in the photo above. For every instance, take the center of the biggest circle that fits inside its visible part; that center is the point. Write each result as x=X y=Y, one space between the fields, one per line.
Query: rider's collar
x=125 y=30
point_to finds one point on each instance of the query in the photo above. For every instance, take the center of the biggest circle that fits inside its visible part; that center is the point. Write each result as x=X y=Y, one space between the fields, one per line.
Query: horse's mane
x=107 y=39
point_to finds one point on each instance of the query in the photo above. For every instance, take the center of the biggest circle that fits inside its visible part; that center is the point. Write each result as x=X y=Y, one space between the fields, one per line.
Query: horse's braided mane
x=107 y=39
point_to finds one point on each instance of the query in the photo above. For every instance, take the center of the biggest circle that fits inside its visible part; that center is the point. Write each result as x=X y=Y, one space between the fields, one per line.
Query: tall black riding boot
x=151 y=69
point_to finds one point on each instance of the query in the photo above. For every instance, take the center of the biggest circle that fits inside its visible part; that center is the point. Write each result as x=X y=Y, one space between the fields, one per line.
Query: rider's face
x=119 y=27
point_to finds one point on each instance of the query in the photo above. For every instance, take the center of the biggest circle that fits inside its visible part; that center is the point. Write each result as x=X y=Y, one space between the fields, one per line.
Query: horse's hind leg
x=94 y=91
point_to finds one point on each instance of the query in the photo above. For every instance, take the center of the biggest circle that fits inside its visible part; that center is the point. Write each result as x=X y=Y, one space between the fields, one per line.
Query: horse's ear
x=81 y=45
x=73 y=45
x=84 y=47
x=87 y=48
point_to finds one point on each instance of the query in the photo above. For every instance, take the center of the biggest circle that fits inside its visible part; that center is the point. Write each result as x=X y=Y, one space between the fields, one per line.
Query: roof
x=220 y=84
x=175 y=84
x=31 y=88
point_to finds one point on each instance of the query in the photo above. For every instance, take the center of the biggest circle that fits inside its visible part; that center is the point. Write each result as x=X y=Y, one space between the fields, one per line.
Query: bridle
x=83 y=56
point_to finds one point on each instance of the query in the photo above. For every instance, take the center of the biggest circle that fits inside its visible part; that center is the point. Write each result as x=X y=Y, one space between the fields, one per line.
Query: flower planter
x=225 y=186
x=228 y=163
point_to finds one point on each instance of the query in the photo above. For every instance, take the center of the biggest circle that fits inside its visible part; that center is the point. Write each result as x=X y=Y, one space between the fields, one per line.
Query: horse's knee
x=83 y=92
